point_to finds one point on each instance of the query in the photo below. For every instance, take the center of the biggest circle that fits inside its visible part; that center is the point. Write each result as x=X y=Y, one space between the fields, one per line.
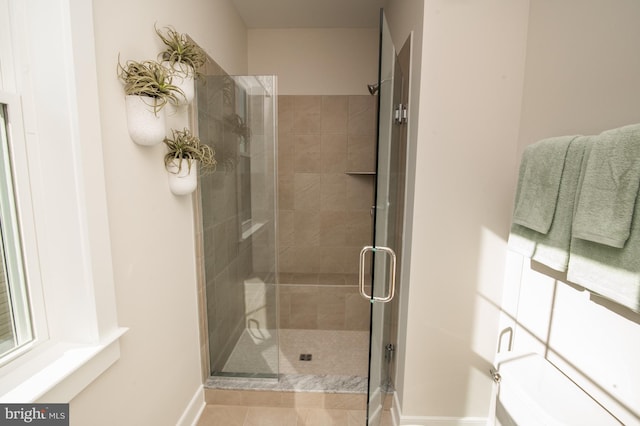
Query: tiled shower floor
x=334 y=352
x=339 y=360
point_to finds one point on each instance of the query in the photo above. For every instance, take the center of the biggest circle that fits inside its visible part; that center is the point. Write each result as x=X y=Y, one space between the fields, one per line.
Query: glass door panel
x=387 y=224
x=237 y=117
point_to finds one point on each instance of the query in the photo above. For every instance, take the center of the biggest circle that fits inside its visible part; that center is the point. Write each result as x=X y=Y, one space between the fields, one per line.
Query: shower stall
x=303 y=183
x=283 y=219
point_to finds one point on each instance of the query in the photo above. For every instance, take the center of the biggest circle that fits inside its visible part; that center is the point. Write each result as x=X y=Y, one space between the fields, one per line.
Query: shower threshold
x=292 y=383
x=245 y=376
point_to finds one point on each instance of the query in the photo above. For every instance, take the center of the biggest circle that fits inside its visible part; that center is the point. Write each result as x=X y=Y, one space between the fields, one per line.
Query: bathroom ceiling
x=309 y=13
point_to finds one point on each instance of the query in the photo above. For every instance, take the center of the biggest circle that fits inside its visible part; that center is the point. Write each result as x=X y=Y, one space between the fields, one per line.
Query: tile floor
x=229 y=415
x=335 y=352
x=282 y=408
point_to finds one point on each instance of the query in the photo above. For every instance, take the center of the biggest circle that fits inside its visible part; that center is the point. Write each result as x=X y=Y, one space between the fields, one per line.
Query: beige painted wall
x=582 y=77
x=320 y=61
x=470 y=59
x=159 y=370
x=582 y=72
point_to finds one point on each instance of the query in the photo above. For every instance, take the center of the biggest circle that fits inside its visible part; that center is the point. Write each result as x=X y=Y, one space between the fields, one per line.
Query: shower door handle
x=392 y=273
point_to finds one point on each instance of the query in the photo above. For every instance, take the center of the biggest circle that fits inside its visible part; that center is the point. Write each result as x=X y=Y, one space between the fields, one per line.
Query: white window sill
x=61 y=371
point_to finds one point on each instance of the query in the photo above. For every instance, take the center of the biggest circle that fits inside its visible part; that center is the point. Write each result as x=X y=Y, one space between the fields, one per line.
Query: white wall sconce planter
x=184 y=58
x=185 y=155
x=145 y=120
x=183 y=179
x=147 y=89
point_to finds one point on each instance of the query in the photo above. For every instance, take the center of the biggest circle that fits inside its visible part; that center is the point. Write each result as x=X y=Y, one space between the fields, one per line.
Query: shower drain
x=305 y=357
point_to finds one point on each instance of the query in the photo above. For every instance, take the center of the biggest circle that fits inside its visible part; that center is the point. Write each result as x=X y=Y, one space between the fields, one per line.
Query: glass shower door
x=237 y=117
x=389 y=204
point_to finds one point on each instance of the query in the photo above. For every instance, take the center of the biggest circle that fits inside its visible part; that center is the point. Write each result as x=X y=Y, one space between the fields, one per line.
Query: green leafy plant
x=181 y=49
x=149 y=78
x=184 y=145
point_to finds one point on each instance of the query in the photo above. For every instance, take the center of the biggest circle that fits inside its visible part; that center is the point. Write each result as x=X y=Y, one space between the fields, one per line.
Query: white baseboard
x=193 y=410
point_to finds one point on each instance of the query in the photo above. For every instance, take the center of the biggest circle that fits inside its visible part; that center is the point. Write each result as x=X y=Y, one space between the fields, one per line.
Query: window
x=63 y=324
x=15 y=321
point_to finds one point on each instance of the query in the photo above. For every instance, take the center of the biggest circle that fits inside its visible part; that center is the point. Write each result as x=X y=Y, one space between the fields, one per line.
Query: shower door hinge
x=389 y=350
x=495 y=375
x=400 y=114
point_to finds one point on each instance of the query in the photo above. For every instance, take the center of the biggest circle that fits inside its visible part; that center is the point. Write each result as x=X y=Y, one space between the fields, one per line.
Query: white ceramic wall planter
x=182 y=76
x=182 y=180
x=146 y=127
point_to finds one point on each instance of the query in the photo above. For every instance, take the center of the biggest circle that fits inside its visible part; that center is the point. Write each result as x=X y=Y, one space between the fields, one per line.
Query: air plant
x=149 y=78
x=184 y=145
x=181 y=50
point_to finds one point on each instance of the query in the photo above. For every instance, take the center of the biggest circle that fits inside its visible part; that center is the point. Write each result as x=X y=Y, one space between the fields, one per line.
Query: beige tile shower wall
x=322 y=307
x=324 y=212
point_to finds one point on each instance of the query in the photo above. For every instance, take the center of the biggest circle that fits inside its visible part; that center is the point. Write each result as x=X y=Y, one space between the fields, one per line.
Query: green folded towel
x=540 y=171
x=522 y=240
x=594 y=230
x=552 y=248
x=609 y=271
x=604 y=209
